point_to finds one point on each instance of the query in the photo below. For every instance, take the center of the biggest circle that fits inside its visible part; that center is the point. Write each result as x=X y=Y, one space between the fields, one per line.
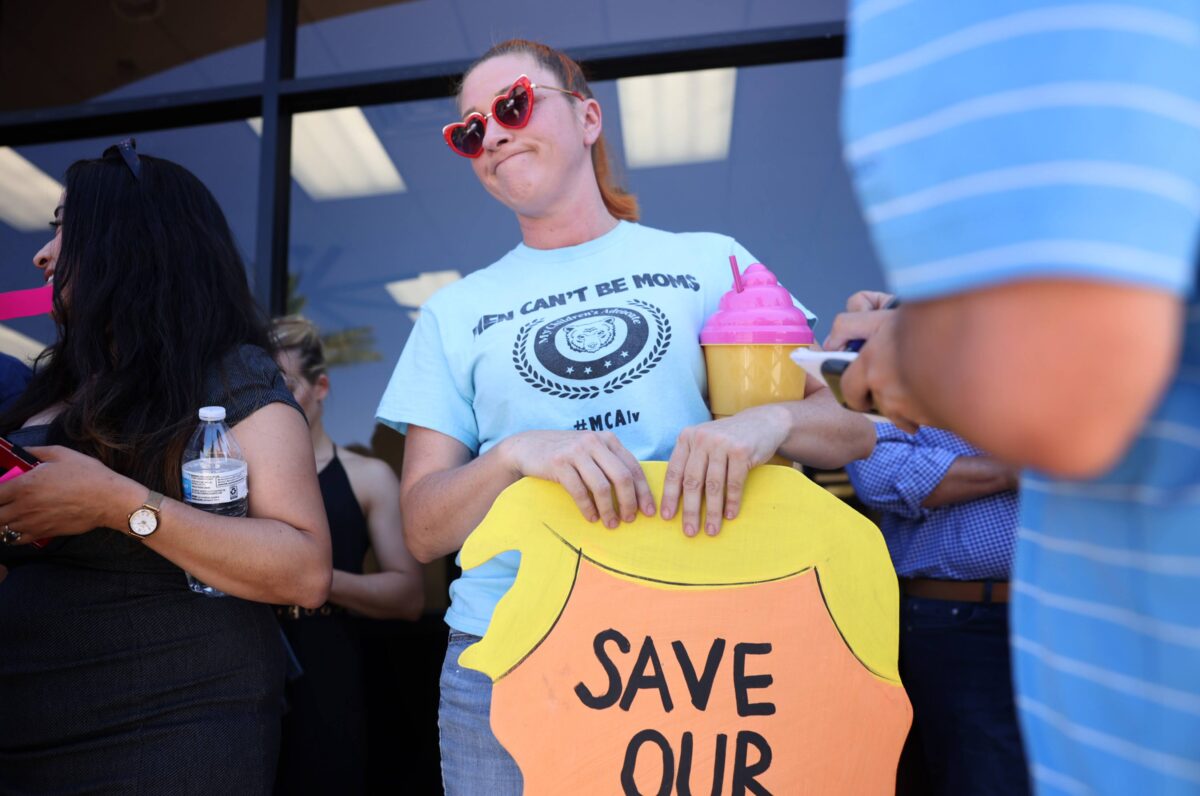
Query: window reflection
x=677 y=118
x=350 y=35
x=224 y=157
x=337 y=155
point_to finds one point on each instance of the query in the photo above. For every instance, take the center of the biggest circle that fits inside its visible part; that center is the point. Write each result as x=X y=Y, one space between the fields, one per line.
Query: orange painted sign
x=640 y=661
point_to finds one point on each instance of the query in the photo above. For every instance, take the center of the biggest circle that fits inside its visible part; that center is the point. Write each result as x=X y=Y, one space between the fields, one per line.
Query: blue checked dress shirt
x=964 y=541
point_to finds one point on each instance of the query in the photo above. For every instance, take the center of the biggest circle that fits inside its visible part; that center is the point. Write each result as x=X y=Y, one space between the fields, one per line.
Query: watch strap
x=154 y=501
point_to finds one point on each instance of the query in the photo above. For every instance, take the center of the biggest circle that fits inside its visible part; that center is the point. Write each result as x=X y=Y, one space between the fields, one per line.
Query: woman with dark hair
x=570 y=359
x=115 y=677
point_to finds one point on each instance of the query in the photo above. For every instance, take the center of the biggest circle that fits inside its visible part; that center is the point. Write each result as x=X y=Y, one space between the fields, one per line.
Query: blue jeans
x=954 y=661
x=473 y=761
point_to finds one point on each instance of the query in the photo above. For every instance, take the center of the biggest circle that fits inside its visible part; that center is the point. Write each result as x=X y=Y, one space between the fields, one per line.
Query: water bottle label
x=216 y=487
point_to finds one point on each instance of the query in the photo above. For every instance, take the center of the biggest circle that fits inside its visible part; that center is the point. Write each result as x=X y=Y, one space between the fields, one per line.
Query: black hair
x=150 y=294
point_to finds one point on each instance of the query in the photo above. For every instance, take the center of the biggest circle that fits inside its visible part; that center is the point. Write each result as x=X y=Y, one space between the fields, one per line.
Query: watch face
x=143 y=522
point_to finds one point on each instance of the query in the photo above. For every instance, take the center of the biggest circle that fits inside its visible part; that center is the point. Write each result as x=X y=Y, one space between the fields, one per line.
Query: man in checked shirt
x=949 y=515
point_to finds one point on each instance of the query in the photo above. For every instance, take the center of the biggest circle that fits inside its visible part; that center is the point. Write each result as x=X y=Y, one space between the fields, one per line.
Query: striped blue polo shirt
x=1004 y=140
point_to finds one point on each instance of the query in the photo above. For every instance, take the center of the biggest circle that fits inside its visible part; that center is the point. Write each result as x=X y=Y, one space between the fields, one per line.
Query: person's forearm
x=263 y=560
x=379 y=595
x=952 y=381
x=822 y=433
x=1039 y=374
x=971 y=477
x=442 y=508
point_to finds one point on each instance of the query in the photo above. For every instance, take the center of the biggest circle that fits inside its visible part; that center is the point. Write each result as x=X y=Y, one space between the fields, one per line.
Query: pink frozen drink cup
x=747 y=342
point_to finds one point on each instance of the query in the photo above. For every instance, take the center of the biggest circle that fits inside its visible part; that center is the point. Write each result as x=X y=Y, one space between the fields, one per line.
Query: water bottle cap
x=212 y=413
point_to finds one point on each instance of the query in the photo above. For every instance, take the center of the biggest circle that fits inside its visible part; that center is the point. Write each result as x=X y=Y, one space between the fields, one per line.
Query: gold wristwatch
x=144 y=521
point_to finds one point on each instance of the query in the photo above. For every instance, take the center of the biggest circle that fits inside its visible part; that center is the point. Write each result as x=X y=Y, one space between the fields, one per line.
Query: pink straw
x=737 y=275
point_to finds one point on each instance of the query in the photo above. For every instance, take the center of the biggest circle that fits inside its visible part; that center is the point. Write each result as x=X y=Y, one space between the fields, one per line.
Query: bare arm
x=278 y=554
x=971 y=477
x=1053 y=374
x=1058 y=375
x=397 y=590
x=444 y=493
x=822 y=433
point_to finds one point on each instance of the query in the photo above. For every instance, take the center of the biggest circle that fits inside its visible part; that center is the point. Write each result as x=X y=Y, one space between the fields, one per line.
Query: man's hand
x=872 y=382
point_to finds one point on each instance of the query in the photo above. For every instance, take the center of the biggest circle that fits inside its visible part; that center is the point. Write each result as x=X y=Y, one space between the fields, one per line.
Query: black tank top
x=324 y=734
x=347 y=524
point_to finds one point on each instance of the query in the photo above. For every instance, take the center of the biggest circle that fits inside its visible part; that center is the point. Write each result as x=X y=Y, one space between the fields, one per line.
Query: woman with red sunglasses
x=570 y=359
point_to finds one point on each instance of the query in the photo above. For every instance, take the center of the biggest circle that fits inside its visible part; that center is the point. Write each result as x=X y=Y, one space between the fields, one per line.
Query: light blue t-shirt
x=999 y=141
x=603 y=336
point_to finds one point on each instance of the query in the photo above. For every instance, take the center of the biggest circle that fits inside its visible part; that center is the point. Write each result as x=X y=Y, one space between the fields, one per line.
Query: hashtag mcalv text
x=607 y=421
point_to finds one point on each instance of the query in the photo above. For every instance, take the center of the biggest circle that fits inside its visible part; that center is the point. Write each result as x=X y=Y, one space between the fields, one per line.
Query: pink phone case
x=15 y=460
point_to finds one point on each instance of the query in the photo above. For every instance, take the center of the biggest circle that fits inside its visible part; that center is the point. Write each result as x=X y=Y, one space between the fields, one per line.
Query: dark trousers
x=954 y=661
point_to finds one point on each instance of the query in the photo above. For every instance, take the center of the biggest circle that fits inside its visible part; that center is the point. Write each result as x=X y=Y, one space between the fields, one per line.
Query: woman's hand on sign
x=601 y=475
x=711 y=462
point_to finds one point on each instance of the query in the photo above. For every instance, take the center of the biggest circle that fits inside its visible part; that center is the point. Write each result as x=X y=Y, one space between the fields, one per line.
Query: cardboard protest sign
x=639 y=661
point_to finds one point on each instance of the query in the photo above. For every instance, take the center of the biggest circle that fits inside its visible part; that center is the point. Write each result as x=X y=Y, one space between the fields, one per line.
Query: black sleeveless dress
x=324 y=730
x=115 y=677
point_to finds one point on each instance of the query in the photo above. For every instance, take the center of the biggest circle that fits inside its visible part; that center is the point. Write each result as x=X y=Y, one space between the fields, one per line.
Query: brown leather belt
x=966 y=591
x=298 y=612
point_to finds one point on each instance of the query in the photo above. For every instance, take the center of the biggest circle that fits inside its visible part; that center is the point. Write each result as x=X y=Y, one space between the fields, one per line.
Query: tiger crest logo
x=590 y=336
x=592 y=352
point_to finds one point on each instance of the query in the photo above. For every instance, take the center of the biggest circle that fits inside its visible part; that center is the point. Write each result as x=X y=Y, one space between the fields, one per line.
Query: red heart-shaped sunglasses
x=512 y=109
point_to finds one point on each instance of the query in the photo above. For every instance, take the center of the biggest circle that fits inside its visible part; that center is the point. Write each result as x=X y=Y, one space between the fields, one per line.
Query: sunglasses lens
x=468 y=138
x=512 y=110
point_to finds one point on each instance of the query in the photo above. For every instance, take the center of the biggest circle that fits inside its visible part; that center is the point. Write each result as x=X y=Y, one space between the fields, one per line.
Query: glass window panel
x=349 y=35
x=365 y=262
x=59 y=52
x=224 y=156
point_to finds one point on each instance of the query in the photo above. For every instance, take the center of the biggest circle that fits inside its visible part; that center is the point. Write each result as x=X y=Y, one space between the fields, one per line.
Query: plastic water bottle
x=214 y=475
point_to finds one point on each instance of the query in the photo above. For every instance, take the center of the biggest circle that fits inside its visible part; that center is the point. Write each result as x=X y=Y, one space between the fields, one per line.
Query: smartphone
x=15 y=460
x=13 y=455
x=831 y=371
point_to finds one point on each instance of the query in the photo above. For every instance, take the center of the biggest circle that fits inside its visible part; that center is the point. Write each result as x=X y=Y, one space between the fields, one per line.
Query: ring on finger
x=9 y=536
